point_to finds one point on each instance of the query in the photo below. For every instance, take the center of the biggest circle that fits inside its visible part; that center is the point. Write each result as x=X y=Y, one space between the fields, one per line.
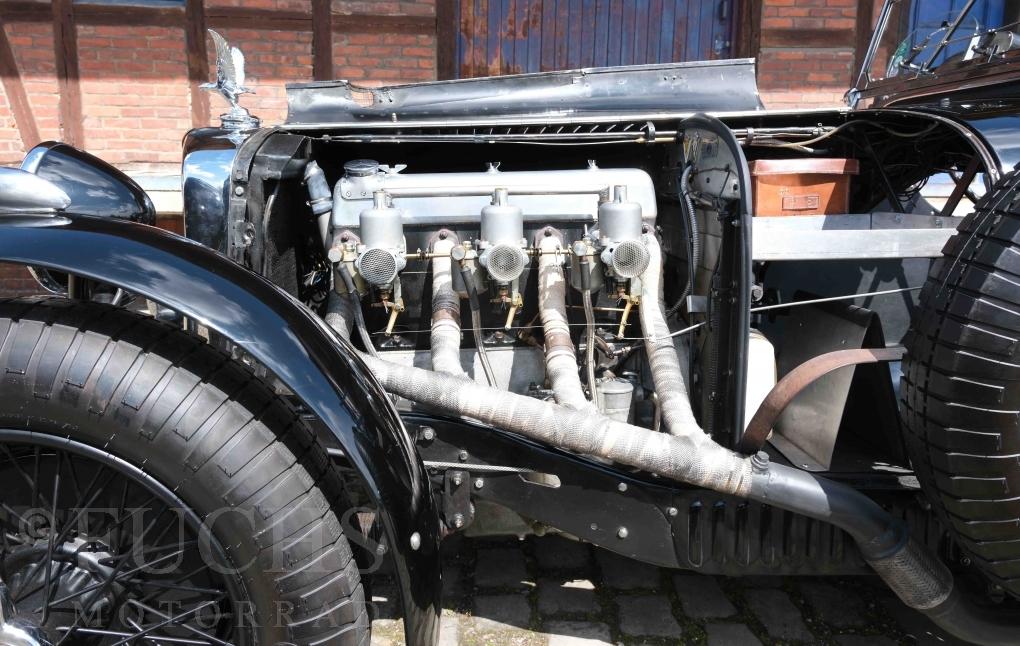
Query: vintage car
x=551 y=302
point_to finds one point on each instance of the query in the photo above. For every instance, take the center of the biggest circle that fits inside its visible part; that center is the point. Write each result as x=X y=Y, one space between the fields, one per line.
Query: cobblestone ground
x=555 y=592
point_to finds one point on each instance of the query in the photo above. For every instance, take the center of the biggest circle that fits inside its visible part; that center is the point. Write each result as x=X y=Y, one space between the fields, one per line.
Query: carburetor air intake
x=502 y=239
x=382 y=235
x=620 y=236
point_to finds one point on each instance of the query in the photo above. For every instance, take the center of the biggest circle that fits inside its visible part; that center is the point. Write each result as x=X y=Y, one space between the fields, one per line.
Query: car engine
x=523 y=251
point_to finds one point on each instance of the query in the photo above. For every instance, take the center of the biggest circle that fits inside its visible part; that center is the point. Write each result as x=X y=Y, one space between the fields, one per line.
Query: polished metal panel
x=709 y=86
x=93 y=186
x=205 y=184
x=436 y=199
x=851 y=236
x=22 y=191
x=16 y=630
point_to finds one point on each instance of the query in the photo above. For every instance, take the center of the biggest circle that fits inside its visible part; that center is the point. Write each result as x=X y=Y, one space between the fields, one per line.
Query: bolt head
x=415 y=541
x=622 y=533
x=239 y=190
x=458 y=520
x=428 y=433
x=457 y=479
x=622 y=487
x=479 y=483
x=672 y=511
x=462 y=456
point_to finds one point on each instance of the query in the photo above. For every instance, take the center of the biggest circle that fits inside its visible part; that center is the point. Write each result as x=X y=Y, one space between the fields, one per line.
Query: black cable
x=359 y=316
x=694 y=238
x=476 y=322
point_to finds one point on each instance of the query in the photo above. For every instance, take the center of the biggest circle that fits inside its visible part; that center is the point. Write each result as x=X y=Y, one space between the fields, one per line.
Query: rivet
x=622 y=533
x=672 y=511
x=462 y=456
x=415 y=541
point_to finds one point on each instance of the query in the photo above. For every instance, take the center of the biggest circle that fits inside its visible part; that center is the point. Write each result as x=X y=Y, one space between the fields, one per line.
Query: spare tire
x=961 y=385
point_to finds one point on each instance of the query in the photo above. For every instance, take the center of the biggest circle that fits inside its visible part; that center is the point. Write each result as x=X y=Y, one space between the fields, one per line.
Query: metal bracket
x=458 y=512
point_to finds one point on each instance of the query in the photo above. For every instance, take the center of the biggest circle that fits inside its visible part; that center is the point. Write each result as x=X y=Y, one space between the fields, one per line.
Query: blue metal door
x=517 y=36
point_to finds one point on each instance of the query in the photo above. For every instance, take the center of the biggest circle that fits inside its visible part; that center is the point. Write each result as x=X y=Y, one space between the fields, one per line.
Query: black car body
x=364 y=201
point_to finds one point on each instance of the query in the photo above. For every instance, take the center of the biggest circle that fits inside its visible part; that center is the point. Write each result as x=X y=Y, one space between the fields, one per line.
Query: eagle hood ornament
x=230 y=84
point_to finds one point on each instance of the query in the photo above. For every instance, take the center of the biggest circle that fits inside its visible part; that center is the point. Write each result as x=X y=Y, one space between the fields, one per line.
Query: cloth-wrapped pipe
x=445 y=338
x=560 y=356
x=663 y=358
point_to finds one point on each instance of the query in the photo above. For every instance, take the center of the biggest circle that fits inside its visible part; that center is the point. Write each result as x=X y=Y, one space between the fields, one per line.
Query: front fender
x=281 y=333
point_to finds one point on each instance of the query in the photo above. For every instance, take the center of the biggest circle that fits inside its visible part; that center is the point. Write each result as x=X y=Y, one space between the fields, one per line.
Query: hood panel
x=716 y=86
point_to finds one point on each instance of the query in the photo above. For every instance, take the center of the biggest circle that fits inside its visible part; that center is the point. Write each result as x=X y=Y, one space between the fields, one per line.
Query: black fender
x=322 y=370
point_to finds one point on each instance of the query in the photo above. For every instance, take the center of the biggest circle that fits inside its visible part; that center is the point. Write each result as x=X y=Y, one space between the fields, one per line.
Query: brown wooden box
x=802 y=186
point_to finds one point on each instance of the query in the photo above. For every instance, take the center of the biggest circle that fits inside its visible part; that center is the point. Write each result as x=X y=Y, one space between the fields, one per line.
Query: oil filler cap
x=361 y=167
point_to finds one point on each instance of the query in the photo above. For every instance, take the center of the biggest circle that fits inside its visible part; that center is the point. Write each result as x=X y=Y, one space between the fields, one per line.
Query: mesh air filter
x=630 y=258
x=505 y=262
x=377 y=266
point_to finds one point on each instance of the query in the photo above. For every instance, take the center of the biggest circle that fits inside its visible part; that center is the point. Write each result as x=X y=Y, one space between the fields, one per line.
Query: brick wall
x=136 y=100
x=807 y=51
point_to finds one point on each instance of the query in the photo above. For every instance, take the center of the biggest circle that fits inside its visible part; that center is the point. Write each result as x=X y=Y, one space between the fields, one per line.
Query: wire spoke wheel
x=97 y=552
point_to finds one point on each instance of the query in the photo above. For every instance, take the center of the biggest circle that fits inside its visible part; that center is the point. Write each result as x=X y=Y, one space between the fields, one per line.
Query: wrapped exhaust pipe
x=445 y=337
x=560 y=355
x=663 y=357
x=689 y=455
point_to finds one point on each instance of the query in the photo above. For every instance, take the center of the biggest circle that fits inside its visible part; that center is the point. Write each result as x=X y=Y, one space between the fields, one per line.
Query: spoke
x=188 y=627
x=118 y=633
x=49 y=544
x=32 y=482
x=117 y=578
x=166 y=622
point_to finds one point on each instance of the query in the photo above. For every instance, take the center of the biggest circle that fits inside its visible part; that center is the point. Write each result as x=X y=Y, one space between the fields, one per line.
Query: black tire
x=961 y=386
x=206 y=428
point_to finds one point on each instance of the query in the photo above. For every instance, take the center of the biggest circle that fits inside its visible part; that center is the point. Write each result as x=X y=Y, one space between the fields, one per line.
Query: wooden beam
x=747 y=28
x=819 y=38
x=865 y=18
x=26 y=12
x=65 y=50
x=21 y=109
x=251 y=18
x=128 y=15
x=446 y=39
x=379 y=24
x=322 y=40
x=198 y=61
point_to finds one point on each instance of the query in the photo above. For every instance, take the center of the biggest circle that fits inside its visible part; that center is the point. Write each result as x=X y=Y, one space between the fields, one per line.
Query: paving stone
x=501 y=611
x=558 y=596
x=577 y=633
x=836 y=607
x=622 y=573
x=501 y=568
x=916 y=626
x=556 y=553
x=647 y=616
x=701 y=596
x=779 y=614
x=864 y=640
x=449 y=631
x=730 y=635
x=385 y=598
x=387 y=632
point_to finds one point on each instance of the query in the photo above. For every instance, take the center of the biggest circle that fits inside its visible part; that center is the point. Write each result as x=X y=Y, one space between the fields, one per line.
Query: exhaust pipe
x=445 y=338
x=689 y=455
x=560 y=355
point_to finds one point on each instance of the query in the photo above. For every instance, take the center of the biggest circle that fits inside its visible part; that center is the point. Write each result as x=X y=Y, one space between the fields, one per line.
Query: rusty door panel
x=517 y=36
